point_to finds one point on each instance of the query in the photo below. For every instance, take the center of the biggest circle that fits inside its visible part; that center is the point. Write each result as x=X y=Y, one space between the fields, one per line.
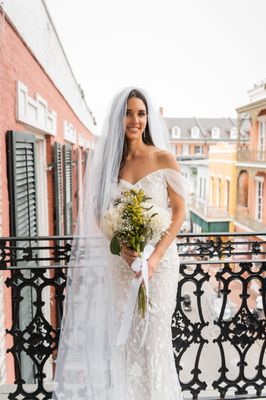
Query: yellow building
x=213 y=206
x=223 y=182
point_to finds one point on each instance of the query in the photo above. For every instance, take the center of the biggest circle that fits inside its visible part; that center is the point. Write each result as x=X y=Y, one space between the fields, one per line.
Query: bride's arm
x=178 y=207
x=178 y=216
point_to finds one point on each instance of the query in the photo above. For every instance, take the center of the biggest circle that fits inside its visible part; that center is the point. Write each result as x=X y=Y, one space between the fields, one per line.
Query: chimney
x=161 y=110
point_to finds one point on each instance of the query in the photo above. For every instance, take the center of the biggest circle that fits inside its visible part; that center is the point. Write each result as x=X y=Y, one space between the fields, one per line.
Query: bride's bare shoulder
x=166 y=159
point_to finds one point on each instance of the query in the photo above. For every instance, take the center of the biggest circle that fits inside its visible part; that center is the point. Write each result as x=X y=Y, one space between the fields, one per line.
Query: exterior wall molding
x=81 y=140
x=258 y=92
x=259 y=178
x=84 y=142
x=34 y=111
x=257 y=166
x=70 y=133
x=223 y=161
x=261 y=118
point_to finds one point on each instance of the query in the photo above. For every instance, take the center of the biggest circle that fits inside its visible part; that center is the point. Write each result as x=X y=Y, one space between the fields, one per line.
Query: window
x=233 y=133
x=176 y=132
x=218 y=193
x=215 y=133
x=227 y=194
x=200 y=187
x=68 y=187
x=261 y=138
x=259 y=198
x=173 y=149
x=242 y=189
x=195 y=132
x=185 y=149
x=198 y=149
x=204 y=188
x=211 y=183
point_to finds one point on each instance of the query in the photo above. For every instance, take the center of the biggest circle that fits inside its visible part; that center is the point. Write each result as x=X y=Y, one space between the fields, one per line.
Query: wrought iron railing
x=219 y=326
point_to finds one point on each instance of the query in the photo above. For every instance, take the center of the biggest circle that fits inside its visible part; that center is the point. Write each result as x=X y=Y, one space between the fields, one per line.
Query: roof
x=205 y=126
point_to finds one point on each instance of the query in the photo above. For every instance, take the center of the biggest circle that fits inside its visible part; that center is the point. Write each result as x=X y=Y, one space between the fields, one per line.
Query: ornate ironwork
x=204 y=334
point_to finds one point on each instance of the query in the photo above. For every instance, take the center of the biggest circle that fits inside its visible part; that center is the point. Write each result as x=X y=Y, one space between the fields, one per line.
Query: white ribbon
x=140 y=264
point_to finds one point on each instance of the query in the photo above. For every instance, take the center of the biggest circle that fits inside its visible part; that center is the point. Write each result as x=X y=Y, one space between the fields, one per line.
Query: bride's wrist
x=155 y=259
x=157 y=254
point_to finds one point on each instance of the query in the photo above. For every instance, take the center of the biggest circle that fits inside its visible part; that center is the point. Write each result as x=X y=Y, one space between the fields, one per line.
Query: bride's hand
x=153 y=263
x=128 y=255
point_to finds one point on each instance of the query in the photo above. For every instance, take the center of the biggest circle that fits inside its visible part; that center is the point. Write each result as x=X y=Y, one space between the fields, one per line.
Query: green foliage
x=115 y=246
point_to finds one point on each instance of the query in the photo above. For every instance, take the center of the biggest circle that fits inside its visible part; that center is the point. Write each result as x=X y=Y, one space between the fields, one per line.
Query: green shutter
x=23 y=222
x=58 y=180
x=68 y=190
x=22 y=184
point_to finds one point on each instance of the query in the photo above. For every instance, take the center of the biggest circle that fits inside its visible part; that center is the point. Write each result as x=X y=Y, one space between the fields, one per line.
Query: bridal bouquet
x=133 y=222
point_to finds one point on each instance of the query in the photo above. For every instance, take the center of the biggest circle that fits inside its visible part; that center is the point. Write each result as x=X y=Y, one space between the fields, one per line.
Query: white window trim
x=211 y=184
x=233 y=133
x=216 y=132
x=195 y=132
x=34 y=111
x=218 y=191
x=262 y=137
x=176 y=132
x=226 y=194
x=187 y=147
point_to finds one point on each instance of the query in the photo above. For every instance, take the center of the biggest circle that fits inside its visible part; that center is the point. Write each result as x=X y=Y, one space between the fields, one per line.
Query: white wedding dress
x=149 y=372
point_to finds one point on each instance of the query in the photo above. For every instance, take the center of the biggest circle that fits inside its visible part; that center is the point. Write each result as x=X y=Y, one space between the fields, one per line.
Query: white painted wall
x=33 y=22
x=203 y=176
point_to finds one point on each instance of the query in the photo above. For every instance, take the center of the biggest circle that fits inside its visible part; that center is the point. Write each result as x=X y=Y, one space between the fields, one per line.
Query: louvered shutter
x=68 y=190
x=23 y=222
x=58 y=180
x=77 y=179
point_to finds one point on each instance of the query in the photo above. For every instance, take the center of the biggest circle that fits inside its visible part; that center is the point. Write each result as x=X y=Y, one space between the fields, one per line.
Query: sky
x=194 y=57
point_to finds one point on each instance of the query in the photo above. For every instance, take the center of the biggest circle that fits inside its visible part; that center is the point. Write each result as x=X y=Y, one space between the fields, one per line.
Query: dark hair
x=147 y=138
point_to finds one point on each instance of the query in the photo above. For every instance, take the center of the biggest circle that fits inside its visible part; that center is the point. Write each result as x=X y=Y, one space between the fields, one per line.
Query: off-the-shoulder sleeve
x=177 y=182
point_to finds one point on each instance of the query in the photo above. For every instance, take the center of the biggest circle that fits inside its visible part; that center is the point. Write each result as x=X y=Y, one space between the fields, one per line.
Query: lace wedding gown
x=150 y=372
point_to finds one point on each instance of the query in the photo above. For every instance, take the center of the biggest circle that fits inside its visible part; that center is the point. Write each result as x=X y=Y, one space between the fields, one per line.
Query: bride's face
x=135 y=119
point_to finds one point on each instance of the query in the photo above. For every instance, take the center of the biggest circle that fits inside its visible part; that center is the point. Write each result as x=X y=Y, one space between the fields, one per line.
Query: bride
x=92 y=364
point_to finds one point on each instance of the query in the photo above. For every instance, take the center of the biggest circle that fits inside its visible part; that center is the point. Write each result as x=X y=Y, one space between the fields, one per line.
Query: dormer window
x=233 y=133
x=175 y=132
x=215 y=133
x=195 y=132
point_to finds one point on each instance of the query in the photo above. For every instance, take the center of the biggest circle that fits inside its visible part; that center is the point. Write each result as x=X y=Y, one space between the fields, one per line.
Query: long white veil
x=86 y=365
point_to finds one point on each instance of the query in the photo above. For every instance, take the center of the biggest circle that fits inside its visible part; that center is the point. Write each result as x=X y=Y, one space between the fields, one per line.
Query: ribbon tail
x=145 y=278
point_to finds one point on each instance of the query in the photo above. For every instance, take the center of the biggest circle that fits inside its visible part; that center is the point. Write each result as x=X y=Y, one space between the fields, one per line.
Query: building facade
x=46 y=135
x=251 y=165
x=206 y=151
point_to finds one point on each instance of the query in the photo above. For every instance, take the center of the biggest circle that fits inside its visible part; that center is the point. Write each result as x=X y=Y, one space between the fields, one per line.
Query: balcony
x=243 y=216
x=191 y=157
x=210 y=212
x=219 y=341
x=252 y=156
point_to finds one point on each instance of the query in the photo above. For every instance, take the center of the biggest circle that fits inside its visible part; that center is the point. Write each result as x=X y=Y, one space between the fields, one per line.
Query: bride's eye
x=142 y=113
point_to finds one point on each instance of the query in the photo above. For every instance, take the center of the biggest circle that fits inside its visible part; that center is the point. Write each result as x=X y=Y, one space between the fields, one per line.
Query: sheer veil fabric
x=86 y=365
